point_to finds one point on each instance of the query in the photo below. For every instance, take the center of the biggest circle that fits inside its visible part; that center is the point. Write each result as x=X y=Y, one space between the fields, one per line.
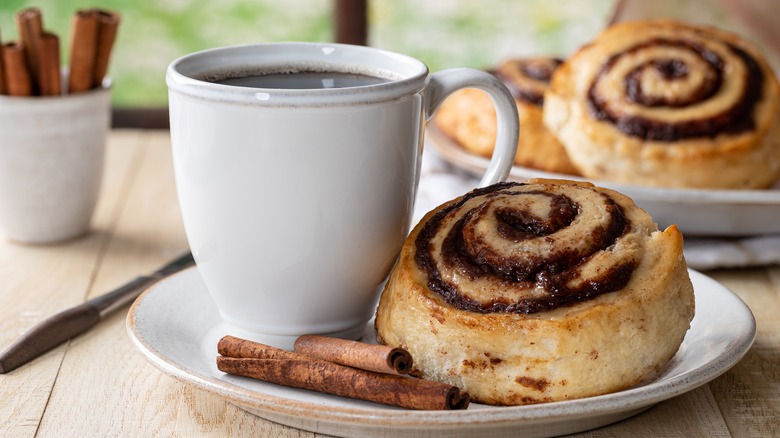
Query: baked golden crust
x=520 y=335
x=664 y=103
x=469 y=118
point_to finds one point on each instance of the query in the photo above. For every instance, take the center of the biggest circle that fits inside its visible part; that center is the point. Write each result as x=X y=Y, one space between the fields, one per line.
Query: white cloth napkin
x=711 y=253
x=441 y=182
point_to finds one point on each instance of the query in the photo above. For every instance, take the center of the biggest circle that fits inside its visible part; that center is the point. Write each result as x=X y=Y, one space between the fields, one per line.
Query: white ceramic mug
x=296 y=201
x=51 y=163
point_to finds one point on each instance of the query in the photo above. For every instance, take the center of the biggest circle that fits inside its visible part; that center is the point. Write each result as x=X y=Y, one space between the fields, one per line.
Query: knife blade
x=76 y=320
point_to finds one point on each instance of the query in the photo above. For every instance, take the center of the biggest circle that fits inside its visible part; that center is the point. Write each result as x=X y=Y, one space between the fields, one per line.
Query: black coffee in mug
x=300 y=80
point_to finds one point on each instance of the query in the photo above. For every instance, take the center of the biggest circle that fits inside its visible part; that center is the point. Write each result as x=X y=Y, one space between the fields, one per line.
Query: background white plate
x=696 y=212
x=176 y=327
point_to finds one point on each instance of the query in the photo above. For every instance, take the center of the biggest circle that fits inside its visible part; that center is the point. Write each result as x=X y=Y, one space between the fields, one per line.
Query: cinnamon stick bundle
x=17 y=75
x=93 y=35
x=379 y=358
x=42 y=53
x=292 y=369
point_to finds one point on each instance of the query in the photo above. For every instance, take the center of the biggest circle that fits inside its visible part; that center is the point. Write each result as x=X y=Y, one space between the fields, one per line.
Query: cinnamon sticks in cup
x=31 y=66
x=251 y=359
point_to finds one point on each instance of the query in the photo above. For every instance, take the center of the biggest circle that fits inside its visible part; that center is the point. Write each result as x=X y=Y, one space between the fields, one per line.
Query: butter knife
x=72 y=322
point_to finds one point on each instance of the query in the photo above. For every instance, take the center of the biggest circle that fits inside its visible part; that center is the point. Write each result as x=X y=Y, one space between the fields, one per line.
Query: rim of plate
x=642 y=396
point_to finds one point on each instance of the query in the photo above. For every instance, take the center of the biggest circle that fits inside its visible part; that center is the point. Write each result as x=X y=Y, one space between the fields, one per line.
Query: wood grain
x=39 y=281
x=748 y=393
x=146 y=232
x=131 y=397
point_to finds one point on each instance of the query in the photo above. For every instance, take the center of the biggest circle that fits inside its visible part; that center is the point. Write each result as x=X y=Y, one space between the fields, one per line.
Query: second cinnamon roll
x=469 y=119
x=666 y=103
x=532 y=292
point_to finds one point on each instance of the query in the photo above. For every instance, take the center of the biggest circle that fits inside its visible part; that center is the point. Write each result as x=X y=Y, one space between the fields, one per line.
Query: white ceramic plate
x=176 y=326
x=696 y=212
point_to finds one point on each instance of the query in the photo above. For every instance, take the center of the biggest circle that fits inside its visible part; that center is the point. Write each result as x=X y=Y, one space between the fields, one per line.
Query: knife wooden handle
x=48 y=334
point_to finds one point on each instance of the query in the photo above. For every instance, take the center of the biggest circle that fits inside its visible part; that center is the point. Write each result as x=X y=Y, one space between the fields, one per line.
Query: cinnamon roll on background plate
x=669 y=104
x=533 y=292
x=468 y=117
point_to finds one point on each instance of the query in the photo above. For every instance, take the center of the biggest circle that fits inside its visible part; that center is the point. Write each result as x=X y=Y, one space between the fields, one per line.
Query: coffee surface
x=306 y=80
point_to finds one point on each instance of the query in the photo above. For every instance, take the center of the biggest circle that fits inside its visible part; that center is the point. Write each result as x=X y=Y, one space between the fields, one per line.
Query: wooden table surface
x=99 y=385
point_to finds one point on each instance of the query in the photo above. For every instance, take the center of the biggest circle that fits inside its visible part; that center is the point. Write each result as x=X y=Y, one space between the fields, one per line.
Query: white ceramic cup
x=51 y=164
x=296 y=202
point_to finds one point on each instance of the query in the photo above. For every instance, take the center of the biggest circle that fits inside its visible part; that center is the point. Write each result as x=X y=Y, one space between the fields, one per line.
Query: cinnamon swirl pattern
x=527 y=78
x=468 y=116
x=532 y=292
x=664 y=103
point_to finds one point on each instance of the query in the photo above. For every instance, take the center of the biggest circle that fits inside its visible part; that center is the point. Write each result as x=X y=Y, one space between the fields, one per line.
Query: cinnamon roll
x=469 y=118
x=533 y=292
x=663 y=103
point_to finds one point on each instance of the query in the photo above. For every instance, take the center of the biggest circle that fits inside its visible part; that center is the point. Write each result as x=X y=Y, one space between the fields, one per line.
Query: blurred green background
x=441 y=33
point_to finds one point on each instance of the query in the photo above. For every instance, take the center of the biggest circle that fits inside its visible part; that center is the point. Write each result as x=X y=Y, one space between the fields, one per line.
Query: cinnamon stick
x=2 y=71
x=30 y=24
x=108 y=24
x=50 y=80
x=292 y=369
x=2 y=75
x=17 y=74
x=379 y=358
x=232 y=346
x=83 y=50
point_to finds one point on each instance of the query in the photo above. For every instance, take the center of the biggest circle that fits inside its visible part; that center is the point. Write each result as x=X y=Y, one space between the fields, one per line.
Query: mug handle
x=442 y=84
